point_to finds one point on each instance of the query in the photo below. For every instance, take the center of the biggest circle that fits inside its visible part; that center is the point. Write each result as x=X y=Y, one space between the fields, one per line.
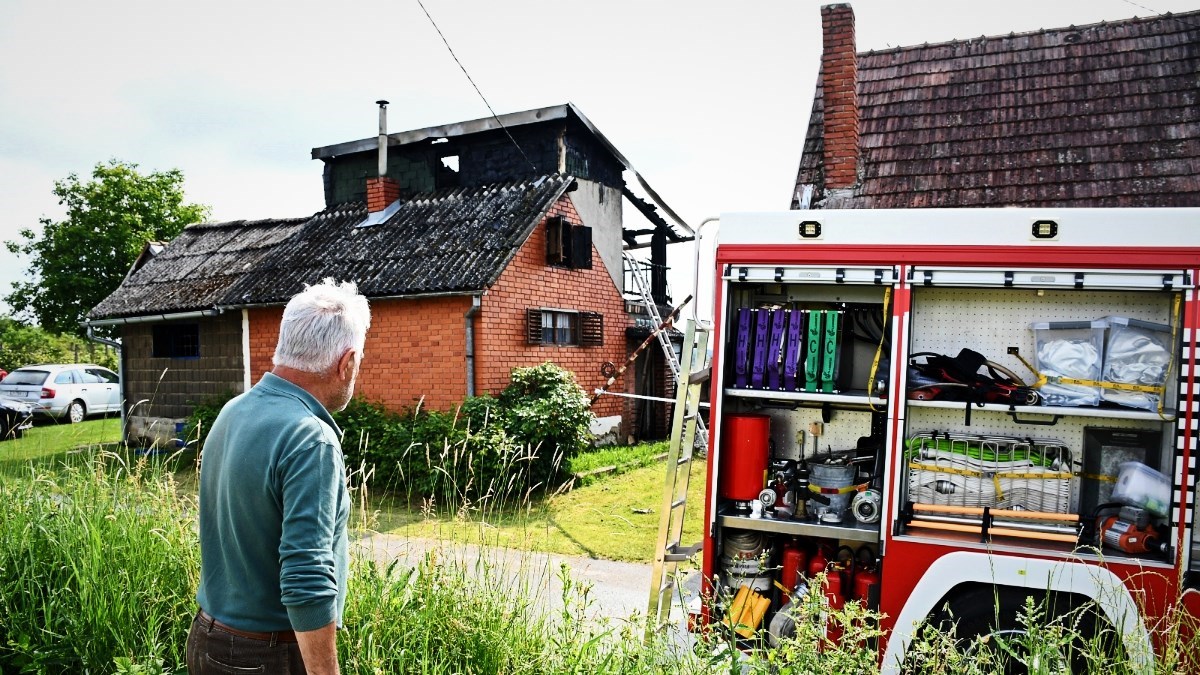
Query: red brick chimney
x=381 y=192
x=839 y=83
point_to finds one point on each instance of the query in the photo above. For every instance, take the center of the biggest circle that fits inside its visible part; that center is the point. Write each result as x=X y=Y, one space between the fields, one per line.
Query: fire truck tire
x=985 y=611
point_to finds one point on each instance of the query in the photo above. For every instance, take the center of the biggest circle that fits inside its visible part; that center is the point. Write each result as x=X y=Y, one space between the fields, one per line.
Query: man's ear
x=345 y=364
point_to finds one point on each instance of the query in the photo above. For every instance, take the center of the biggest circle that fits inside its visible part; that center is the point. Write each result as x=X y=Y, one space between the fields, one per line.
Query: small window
x=568 y=245
x=27 y=377
x=68 y=377
x=102 y=376
x=559 y=328
x=177 y=341
x=564 y=327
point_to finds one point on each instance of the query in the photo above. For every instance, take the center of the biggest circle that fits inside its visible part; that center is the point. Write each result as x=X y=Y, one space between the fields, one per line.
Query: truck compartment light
x=1045 y=229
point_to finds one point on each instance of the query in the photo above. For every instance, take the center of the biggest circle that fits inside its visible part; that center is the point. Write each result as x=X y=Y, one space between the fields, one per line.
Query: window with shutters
x=564 y=327
x=568 y=245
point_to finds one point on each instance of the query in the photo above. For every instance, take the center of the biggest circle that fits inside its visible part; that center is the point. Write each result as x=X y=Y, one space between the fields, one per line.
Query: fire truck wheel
x=984 y=617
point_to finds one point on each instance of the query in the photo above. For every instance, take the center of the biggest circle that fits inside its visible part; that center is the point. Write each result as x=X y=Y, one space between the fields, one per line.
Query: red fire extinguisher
x=819 y=561
x=835 y=596
x=864 y=581
x=867 y=575
x=794 y=564
x=834 y=591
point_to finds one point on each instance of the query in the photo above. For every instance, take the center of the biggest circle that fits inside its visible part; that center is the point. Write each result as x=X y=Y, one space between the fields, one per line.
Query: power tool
x=1131 y=531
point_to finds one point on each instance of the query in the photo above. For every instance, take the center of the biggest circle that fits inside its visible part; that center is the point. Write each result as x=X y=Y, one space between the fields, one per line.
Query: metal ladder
x=687 y=419
x=664 y=340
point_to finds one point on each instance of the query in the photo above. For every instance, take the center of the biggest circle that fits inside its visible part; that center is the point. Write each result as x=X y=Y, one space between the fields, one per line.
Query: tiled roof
x=453 y=241
x=197 y=268
x=1099 y=115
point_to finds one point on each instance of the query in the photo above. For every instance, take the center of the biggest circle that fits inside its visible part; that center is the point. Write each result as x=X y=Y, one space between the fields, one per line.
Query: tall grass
x=99 y=563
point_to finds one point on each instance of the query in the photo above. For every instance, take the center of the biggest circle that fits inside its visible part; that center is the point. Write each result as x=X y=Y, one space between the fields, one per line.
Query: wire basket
x=1028 y=474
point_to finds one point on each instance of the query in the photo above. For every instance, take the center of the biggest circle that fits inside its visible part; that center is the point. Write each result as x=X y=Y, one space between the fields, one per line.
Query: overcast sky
x=708 y=100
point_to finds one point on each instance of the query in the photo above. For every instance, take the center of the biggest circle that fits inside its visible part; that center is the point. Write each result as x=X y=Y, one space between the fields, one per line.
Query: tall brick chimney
x=839 y=83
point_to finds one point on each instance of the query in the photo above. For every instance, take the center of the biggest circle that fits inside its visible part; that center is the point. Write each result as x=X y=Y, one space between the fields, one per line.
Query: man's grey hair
x=319 y=324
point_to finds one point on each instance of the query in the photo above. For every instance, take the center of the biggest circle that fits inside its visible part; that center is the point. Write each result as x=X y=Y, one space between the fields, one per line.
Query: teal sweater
x=273 y=512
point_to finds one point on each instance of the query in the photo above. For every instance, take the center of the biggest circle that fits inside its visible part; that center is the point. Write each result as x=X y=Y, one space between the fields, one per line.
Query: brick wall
x=264 y=333
x=171 y=387
x=528 y=282
x=415 y=348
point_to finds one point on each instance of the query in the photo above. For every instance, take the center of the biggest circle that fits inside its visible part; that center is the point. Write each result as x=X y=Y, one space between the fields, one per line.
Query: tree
x=22 y=345
x=77 y=262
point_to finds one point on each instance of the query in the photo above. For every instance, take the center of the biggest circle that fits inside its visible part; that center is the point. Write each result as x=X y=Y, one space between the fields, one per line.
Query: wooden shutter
x=591 y=329
x=581 y=247
x=533 y=326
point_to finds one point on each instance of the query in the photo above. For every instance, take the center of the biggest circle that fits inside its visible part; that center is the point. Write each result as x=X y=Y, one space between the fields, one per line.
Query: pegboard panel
x=841 y=433
x=990 y=320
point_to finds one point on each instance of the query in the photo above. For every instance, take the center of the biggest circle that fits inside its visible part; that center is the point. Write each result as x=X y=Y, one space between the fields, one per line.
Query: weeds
x=99 y=562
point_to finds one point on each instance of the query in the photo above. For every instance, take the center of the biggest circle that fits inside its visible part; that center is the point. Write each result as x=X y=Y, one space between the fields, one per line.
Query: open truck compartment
x=873 y=414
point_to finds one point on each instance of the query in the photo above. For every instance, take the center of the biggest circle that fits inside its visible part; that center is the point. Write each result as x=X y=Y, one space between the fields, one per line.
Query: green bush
x=546 y=409
x=203 y=416
x=23 y=345
x=516 y=443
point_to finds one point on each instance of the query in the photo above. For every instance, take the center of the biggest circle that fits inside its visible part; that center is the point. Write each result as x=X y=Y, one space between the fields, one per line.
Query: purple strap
x=762 y=320
x=775 y=356
x=741 y=367
x=791 y=359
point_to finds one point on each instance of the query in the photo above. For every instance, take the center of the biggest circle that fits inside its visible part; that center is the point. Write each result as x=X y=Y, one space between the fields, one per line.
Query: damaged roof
x=458 y=240
x=196 y=269
x=454 y=241
x=1102 y=115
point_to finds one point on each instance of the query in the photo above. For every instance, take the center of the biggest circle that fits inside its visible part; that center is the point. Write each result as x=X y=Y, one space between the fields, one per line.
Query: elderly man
x=273 y=501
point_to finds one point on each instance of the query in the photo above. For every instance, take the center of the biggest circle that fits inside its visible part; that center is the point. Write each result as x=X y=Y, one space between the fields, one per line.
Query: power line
x=477 y=91
x=1158 y=13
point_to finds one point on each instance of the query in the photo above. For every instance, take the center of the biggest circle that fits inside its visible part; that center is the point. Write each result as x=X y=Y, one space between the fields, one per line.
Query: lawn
x=47 y=441
x=614 y=518
x=613 y=514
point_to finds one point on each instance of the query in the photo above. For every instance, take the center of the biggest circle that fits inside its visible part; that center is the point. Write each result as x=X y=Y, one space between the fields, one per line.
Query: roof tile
x=1094 y=115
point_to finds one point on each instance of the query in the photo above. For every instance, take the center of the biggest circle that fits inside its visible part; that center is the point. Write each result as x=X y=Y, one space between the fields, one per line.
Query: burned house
x=483 y=246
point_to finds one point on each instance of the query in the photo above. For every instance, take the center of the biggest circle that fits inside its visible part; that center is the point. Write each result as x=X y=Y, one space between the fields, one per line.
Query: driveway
x=618 y=590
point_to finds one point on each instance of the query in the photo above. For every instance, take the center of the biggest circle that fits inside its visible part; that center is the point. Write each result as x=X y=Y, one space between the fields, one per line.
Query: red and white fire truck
x=949 y=411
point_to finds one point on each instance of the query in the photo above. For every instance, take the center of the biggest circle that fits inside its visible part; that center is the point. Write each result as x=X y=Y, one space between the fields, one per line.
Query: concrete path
x=618 y=590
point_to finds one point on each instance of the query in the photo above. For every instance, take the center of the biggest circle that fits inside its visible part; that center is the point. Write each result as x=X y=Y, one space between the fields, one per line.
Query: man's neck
x=316 y=384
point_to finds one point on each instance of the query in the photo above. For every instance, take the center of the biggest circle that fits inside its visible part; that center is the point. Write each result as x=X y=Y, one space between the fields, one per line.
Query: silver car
x=69 y=391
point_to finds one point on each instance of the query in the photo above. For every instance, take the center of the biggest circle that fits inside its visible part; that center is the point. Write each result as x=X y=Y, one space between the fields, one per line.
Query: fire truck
x=949 y=411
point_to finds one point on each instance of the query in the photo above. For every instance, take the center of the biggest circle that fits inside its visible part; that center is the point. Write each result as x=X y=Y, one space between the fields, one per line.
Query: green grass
x=616 y=518
x=602 y=463
x=100 y=561
x=47 y=441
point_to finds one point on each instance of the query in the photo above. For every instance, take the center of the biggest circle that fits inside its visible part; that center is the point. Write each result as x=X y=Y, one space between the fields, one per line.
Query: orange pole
x=1001 y=513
